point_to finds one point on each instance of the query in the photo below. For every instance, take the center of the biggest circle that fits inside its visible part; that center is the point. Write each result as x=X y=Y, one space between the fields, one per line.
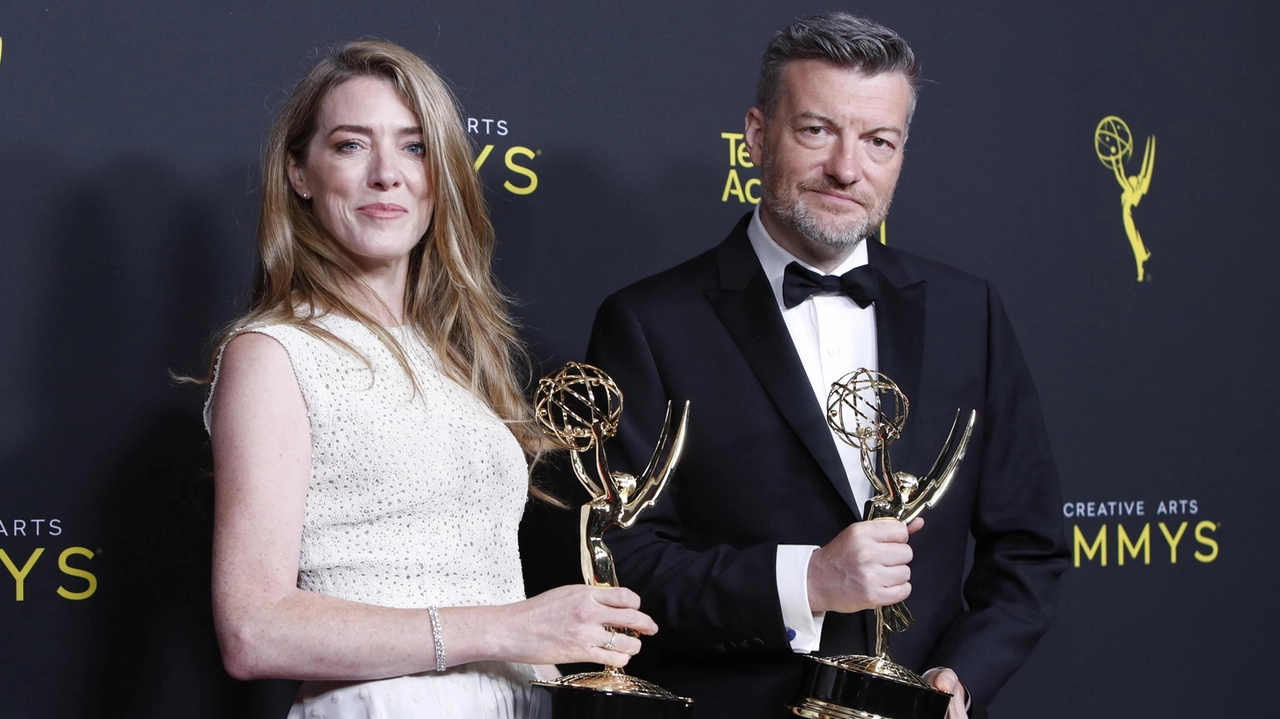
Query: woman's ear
x=298 y=178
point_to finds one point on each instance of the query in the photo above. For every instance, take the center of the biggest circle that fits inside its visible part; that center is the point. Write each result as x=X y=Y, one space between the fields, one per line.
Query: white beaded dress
x=415 y=500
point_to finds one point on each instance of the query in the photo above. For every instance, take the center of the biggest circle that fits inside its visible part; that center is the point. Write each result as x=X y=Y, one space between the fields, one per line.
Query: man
x=757 y=554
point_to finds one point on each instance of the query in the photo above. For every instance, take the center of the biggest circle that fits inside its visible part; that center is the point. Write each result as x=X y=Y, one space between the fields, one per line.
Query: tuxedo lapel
x=899 y=331
x=746 y=305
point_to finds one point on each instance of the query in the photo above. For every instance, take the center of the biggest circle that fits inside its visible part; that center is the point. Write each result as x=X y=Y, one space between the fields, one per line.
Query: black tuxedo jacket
x=760 y=468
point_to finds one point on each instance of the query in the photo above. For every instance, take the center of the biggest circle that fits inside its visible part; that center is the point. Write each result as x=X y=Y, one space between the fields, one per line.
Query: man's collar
x=774 y=259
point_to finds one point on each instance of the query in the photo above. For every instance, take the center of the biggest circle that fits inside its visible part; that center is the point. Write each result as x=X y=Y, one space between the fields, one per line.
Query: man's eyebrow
x=810 y=115
x=884 y=129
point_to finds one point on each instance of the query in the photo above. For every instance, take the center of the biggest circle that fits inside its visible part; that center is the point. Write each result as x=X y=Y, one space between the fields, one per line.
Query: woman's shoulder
x=304 y=331
x=256 y=356
x=252 y=364
x=260 y=355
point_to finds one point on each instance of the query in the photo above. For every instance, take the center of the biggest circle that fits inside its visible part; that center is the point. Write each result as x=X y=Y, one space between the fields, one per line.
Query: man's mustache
x=835 y=188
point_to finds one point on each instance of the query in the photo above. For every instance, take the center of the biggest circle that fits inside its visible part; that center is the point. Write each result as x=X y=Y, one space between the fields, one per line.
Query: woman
x=369 y=434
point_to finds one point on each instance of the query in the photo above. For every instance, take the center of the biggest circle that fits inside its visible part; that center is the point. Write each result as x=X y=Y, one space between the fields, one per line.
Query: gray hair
x=843 y=40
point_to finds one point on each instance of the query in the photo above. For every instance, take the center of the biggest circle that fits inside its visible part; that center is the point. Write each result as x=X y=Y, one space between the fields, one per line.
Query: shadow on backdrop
x=129 y=289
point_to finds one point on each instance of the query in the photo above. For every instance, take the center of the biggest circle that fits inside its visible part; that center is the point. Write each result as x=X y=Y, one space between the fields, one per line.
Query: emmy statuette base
x=611 y=694
x=857 y=687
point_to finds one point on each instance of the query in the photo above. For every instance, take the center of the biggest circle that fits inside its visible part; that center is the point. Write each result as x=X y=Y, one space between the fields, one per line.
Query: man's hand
x=864 y=567
x=945 y=680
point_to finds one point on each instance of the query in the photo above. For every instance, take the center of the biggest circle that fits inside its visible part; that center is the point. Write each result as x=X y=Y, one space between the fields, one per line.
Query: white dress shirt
x=833 y=336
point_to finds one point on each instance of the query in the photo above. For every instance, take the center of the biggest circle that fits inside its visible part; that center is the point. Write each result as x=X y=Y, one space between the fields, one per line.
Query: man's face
x=830 y=157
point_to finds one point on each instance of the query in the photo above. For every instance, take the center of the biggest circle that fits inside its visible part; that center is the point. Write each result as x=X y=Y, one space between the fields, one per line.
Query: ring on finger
x=609 y=646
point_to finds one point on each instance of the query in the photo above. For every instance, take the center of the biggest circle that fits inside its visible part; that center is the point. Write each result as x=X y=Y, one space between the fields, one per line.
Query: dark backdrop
x=128 y=191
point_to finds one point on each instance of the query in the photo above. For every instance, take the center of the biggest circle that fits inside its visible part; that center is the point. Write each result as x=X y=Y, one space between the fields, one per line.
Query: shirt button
x=832 y=352
x=791 y=634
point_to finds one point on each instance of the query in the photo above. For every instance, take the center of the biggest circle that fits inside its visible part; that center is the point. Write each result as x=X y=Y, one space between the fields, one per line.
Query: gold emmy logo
x=1114 y=145
x=739 y=156
x=526 y=179
x=512 y=163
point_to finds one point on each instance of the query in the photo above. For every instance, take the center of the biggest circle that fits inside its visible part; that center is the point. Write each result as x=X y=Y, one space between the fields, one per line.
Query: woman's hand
x=571 y=624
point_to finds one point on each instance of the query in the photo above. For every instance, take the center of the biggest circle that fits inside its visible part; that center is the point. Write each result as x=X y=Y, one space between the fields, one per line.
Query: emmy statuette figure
x=1114 y=144
x=578 y=408
x=868 y=411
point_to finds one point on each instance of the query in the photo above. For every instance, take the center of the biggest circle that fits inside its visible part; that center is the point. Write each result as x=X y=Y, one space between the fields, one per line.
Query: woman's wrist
x=473 y=634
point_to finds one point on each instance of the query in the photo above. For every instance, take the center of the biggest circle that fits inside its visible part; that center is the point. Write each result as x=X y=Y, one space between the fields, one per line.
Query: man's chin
x=826 y=226
x=835 y=218
x=837 y=234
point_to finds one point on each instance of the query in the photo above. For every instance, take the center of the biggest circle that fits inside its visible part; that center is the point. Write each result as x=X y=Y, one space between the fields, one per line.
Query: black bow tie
x=859 y=284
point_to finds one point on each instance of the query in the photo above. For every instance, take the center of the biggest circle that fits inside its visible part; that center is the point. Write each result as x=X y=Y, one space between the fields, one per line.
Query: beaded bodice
x=415 y=498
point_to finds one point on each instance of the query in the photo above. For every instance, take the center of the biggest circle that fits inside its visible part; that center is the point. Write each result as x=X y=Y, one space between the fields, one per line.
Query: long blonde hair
x=451 y=296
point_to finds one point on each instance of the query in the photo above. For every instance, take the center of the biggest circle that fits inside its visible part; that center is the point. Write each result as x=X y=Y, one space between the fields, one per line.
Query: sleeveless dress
x=415 y=500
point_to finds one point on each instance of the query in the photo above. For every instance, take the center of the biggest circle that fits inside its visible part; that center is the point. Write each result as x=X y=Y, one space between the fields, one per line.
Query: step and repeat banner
x=1106 y=165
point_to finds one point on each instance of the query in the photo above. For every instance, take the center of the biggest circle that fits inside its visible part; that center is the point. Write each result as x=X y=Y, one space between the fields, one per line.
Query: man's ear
x=753 y=135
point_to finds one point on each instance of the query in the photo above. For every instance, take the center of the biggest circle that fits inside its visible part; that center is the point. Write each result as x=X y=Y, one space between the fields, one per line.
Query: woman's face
x=366 y=174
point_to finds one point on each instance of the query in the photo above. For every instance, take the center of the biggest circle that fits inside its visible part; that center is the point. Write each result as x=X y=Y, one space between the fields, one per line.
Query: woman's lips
x=383 y=210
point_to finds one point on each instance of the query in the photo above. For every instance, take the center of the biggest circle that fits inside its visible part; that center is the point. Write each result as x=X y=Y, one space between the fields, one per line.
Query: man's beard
x=798 y=217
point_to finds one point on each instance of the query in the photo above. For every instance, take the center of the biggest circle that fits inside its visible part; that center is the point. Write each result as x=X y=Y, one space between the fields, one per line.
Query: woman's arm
x=267 y=627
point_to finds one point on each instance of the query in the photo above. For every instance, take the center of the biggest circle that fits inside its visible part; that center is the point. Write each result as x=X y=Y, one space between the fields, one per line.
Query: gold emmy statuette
x=578 y=408
x=1114 y=145
x=868 y=411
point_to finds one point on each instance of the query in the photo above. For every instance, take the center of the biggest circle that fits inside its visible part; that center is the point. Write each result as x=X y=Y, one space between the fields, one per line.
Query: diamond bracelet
x=437 y=638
